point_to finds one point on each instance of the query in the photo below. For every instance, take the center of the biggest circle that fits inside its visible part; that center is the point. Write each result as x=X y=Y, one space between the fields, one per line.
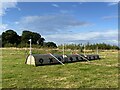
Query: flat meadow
x=101 y=73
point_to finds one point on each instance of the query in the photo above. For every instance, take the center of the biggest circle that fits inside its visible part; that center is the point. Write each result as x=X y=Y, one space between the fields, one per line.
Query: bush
x=21 y=45
x=10 y=45
x=50 y=44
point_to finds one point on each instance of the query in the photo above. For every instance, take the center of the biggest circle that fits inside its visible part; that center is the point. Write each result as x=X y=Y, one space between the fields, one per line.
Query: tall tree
x=10 y=37
x=36 y=37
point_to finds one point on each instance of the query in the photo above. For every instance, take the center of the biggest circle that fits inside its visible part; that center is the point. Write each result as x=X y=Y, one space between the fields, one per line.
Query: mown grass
x=94 y=74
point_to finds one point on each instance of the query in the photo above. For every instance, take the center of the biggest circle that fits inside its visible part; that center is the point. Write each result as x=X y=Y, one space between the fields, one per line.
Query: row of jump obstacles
x=43 y=59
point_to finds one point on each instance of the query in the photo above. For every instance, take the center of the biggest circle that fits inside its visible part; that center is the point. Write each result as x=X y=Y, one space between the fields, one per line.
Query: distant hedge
x=88 y=46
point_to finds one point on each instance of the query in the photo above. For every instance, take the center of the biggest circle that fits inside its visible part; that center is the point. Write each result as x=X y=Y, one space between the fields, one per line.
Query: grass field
x=94 y=74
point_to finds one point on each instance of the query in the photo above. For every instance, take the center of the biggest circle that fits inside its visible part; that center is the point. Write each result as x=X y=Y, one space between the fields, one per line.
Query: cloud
x=75 y=5
x=66 y=11
x=55 y=5
x=16 y=23
x=3 y=27
x=113 y=41
x=48 y=24
x=109 y=36
x=112 y=3
x=56 y=28
x=109 y=17
x=4 y=6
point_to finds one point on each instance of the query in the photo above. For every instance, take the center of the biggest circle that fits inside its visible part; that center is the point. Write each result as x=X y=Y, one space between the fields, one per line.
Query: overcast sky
x=63 y=22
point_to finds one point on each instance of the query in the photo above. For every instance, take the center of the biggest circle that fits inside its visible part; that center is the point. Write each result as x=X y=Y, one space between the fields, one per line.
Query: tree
x=51 y=44
x=26 y=35
x=0 y=40
x=41 y=41
x=10 y=37
x=36 y=37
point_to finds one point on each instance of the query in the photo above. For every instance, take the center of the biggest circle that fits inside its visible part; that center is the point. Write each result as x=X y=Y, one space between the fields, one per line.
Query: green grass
x=94 y=74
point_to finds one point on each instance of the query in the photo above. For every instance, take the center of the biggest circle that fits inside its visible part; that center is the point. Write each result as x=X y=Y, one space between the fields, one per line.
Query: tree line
x=89 y=46
x=11 y=39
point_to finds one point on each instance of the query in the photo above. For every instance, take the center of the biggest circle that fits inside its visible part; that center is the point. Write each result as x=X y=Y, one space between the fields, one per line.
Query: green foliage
x=70 y=46
x=21 y=45
x=0 y=40
x=10 y=45
x=88 y=46
x=36 y=37
x=41 y=41
x=50 y=44
x=10 y=37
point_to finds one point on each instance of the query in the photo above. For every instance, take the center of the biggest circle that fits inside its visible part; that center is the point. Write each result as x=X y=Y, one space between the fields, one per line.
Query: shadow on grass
x=51 y=64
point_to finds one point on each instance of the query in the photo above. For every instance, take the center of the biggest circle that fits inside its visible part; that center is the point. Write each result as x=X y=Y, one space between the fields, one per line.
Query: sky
x=63 y=22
